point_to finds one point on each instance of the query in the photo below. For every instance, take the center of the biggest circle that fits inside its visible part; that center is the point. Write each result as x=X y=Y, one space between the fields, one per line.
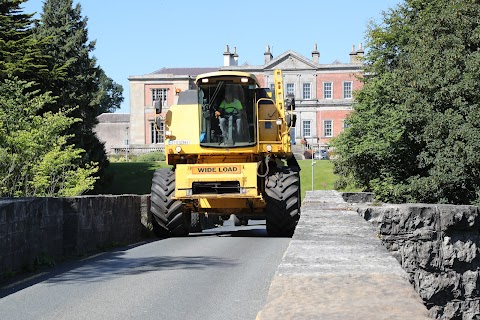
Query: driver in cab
x=229 y=107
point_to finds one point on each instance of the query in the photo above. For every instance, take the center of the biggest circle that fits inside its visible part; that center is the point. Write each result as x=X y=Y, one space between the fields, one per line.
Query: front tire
x=282 y=189
x=171 y=219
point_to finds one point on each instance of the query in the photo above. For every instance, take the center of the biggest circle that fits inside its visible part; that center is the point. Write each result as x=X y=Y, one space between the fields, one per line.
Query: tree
x=20 y=53
x=86 y=90
x=35 y=158
x=414 y=134
x=109 y=96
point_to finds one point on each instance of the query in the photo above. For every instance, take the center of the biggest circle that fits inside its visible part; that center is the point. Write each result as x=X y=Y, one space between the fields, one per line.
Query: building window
x=345 y=125
x=327 y=90
x=306 y=91
x=347 y=89
x=327 y=128
x=157 y=135
x=306 y=129
x=290 y=88
x=160 y=94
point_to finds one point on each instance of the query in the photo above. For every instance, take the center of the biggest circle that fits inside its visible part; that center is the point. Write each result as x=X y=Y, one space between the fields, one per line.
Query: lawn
x=136 y=177
x=131 y=177
x=324 y=178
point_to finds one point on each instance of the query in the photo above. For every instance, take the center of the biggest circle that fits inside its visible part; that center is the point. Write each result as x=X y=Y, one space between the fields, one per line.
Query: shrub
x=151 y=157
x=121 y=158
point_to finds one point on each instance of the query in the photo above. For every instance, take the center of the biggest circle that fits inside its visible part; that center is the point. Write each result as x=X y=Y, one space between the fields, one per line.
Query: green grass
x=136 y=177
x=131 y=177
x=323 y=177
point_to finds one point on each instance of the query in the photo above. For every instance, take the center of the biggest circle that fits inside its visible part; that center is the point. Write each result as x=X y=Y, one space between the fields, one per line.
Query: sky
x=142 y=36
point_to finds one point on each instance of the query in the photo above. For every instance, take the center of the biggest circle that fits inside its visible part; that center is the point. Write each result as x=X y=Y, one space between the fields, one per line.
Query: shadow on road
x=255 y=229
x=109 y=265
x=127 y=261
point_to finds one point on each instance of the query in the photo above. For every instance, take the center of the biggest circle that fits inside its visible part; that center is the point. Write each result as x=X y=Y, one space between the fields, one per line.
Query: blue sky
x=139 y=37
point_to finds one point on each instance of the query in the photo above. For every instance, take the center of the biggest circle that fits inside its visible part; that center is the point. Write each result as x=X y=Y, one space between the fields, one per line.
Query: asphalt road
x=222 y=273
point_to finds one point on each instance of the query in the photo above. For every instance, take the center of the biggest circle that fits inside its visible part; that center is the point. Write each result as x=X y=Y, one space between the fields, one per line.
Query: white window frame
x=330 y=90
x=347 y=92
x=290 y=89
x=306 y=91
x=306 y=125
x=156 y=136
x=328 y=129
x=160 y=94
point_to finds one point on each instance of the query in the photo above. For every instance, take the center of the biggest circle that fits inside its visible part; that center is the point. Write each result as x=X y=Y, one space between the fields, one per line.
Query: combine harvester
x=228 y=143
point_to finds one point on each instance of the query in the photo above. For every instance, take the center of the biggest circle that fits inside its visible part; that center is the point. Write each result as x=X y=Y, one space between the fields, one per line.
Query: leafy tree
x=109 y=96
x=414 y=133
x=35 y=158
x=85 y=89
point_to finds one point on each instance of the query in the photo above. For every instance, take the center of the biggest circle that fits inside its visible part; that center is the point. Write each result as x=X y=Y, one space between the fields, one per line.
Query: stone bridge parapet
x=35 y=231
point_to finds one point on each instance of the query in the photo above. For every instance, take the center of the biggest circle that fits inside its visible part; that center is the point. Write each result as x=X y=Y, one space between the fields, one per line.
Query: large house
x=323 y=93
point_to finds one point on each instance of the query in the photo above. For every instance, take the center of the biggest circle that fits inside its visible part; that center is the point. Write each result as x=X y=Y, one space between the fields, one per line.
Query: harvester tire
x=170 y=217
x=282 y=188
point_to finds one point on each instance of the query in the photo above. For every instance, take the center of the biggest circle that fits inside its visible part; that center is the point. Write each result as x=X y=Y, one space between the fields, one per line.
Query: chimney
x=315 y=54
x=353 y=55
x=235 y=57
x=268 y=56
x=360 y=52
x=226 y=57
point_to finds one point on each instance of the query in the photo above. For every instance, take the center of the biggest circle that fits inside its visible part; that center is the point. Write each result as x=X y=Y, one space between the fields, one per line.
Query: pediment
x=291 y=60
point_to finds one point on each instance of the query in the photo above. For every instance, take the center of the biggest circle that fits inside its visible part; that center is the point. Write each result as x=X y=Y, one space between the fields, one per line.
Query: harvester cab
x=228 y=143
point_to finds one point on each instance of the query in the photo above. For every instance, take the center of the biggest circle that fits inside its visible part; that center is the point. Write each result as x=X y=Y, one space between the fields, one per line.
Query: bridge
x=346 y=260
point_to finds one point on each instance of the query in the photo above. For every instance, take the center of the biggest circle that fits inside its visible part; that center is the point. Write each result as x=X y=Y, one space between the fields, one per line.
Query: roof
x=114 y=118
x=195 y=71
x=290 y=53
x=228 y=73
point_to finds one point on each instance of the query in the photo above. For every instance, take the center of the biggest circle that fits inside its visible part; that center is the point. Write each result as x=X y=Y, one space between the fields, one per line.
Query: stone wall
x=438 y=245
x=32 y=229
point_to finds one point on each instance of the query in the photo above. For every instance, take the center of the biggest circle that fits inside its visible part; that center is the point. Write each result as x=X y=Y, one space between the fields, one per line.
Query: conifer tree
x=20 y=52
x=85 y=87
x=35 y=156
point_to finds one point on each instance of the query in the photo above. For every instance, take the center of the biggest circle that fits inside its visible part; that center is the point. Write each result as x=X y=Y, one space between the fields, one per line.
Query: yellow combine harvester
x=229 y=146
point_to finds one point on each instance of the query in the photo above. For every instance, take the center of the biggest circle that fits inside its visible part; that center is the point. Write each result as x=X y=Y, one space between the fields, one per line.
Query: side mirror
x=157 y=104
x=290 y=102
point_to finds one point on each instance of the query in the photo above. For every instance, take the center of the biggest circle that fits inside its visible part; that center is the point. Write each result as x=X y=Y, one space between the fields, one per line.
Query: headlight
x=178 y=149
x=269 y=148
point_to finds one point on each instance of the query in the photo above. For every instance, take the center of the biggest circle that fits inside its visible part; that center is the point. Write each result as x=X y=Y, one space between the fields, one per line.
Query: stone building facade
x=112 y=129
x=323 y=92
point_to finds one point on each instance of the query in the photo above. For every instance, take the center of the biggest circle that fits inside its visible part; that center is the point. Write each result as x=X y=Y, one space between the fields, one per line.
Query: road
x=222 y=273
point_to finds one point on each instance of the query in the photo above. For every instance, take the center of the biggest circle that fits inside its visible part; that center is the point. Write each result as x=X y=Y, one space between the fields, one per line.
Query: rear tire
x=282 y=188
x=170 y=217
